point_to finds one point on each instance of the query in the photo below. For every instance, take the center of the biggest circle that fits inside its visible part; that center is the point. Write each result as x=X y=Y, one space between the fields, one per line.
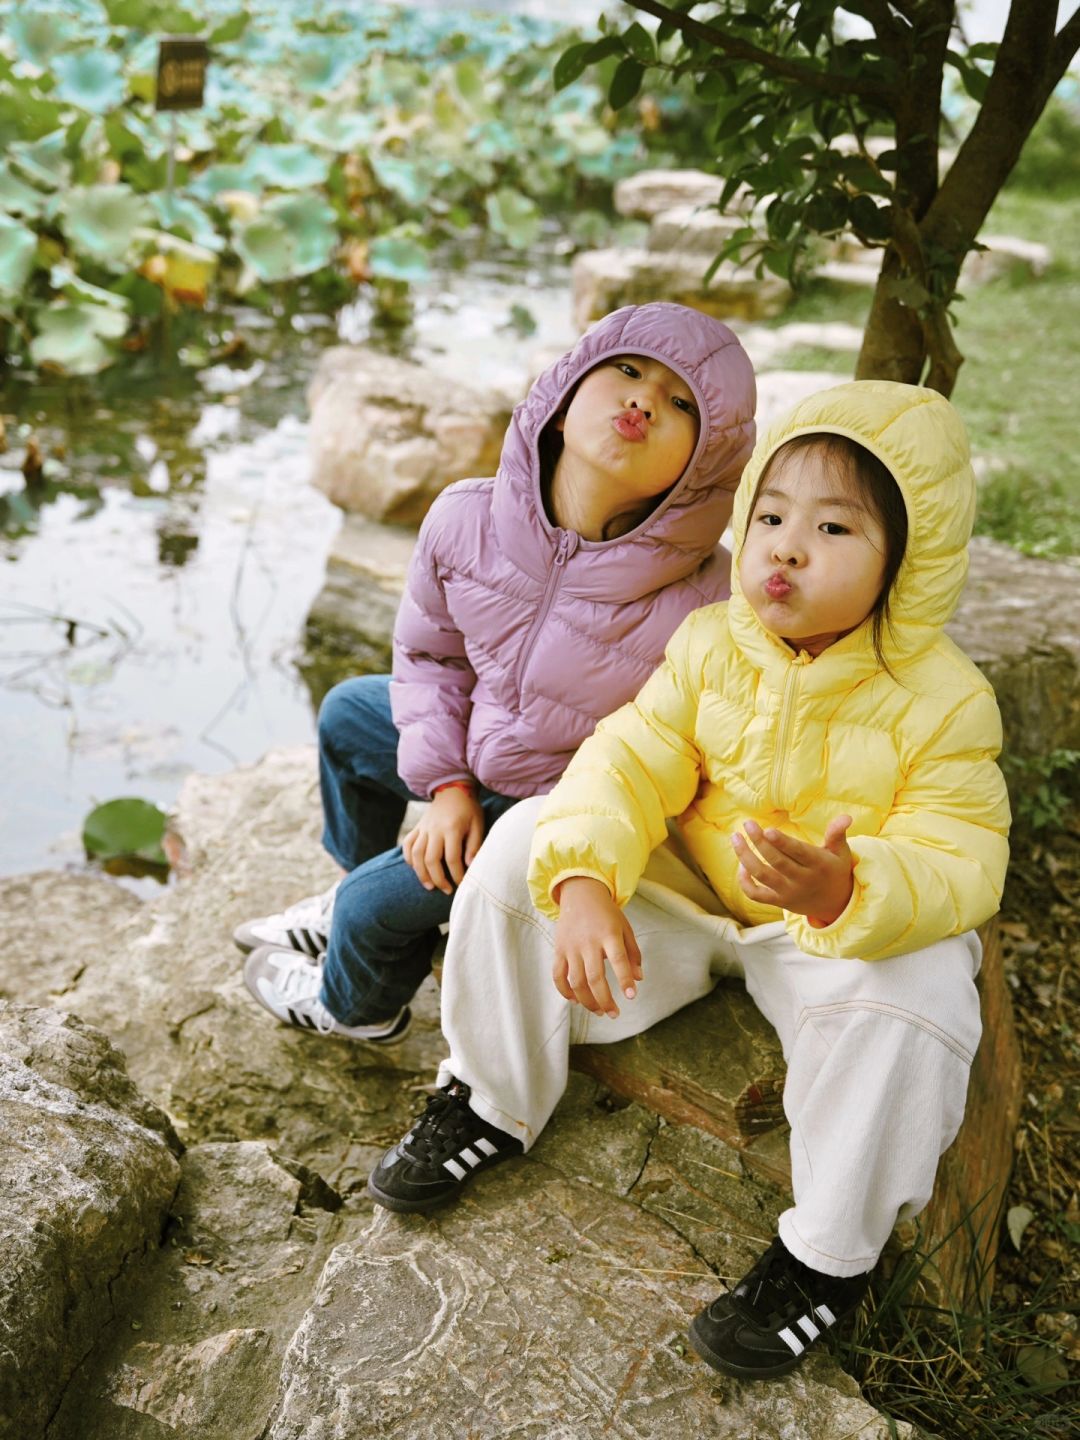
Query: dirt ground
x=1041 y=935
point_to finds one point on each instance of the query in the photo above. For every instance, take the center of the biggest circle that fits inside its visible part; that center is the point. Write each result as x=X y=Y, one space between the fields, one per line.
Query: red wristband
x=455 y=785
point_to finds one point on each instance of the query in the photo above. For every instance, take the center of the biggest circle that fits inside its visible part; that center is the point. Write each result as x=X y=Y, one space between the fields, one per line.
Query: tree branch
x=737 y=49
x=1066 y=44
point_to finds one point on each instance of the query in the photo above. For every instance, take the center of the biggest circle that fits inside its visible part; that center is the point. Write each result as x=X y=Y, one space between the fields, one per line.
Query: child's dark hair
x=861 y=470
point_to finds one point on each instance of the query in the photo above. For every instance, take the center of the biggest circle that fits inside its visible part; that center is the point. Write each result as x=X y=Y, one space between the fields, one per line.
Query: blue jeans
x=385 y=924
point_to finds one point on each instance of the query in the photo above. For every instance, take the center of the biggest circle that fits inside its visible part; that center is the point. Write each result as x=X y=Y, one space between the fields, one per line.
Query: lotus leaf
x=402 y=177
x=292 y=236
x=91 y=79
x=177 y=212
x=513 y=216
x=18 y=247
x=322 y=64
x=39 y=35
x=71 y=337
x=64 y=279
x=101 y=221
x=43 y=161
x=397 y=257
x=336 y=128
x=125 y=828
x=16 y=197
x=163 y=17
x=217 y=178
x=287 y=167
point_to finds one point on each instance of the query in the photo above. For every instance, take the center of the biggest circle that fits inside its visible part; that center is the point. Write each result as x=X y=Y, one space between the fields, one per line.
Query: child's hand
x=811 y=880
x=446 y=839
x=593 y=932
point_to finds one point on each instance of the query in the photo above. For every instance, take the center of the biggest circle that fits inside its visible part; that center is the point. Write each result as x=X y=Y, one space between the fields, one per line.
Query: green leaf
x=91 y=79
x=16 y=197
x=101 y=221
x=64 y=279
x=44 y=162
x=18 y=247
x=293 y=235
x=336 y=127
x=396 y=257
x=38 y=35
x=230 y=29
x=176 y=212
x=625 y=83
x=871 y=220
x=826 y=212
x=513 y=216
x=128 y=827
x=640 y=43
x=287 y=167
x=907 y=290
x=572 y=64
x=402 y=177
x=70 y=337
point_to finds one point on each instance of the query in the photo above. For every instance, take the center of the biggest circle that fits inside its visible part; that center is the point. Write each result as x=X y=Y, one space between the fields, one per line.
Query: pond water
x=154 y=588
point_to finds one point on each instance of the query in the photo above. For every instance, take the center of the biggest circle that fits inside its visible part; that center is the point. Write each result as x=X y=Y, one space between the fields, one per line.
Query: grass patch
x=1017 y=389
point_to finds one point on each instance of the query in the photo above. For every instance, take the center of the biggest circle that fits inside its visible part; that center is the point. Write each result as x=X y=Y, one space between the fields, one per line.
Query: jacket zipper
x=563 y=550
x=783 y=735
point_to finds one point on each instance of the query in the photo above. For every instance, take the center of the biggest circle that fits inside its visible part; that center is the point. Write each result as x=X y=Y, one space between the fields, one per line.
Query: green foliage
x=1043 y=787
x=1049 y=163
x=338 y=144
x=128 y=829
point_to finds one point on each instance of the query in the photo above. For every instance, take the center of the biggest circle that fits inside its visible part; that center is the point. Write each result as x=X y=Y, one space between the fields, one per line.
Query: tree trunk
x=893 y=344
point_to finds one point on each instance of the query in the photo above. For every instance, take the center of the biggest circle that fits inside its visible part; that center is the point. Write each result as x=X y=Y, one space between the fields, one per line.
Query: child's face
x=632 y=421
x=813 y=561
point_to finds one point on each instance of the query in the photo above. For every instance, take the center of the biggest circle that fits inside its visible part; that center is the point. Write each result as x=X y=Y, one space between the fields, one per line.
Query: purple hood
x=515 y=636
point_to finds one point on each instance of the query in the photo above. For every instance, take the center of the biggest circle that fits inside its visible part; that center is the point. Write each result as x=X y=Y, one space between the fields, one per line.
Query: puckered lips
x=632 y=425
x=778 y=586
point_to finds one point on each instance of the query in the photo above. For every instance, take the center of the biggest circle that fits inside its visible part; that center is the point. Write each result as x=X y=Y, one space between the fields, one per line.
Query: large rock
x=388 y=435
x=198 y=1350
x=169 y=989
x=541 y=1307
x=648 y=193
x=605 y=279
x=689 y=230
x=88 y=1175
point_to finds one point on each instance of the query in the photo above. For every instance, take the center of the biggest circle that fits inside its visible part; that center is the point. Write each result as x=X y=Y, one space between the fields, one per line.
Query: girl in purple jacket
x=537 y=602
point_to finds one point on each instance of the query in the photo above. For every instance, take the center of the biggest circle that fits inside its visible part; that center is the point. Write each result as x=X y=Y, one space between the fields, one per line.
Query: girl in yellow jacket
x=828 y=756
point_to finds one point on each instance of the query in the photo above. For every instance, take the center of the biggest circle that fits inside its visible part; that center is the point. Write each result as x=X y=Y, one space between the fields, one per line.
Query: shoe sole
x=729 y=1367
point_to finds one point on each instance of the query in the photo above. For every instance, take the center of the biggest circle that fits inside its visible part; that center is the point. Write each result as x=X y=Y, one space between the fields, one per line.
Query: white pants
x=877 y=1054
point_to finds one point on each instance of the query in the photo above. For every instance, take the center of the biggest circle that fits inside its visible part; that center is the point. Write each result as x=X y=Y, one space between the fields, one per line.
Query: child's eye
x=767 y=518
x=681 y=403
x=832 y=528
x=627 y=369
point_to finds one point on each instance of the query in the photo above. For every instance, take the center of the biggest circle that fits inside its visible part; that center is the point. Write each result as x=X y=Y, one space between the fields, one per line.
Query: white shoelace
x=315 y=912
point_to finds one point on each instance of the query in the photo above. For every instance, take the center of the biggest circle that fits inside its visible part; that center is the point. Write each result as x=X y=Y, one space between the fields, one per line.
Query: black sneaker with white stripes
x=778 y=1309
x=446 y=1146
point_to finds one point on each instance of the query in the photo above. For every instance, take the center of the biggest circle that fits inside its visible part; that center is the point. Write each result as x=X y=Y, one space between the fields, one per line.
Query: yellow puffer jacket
x=735 y=726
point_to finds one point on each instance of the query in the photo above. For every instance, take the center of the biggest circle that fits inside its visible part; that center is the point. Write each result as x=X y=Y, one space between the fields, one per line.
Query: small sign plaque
x=181 y=73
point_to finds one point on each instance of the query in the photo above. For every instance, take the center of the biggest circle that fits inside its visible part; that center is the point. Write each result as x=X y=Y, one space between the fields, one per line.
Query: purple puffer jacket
x=514 y=636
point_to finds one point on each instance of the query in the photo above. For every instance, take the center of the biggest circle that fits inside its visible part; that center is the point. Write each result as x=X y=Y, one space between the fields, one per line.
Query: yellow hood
x=918 y=435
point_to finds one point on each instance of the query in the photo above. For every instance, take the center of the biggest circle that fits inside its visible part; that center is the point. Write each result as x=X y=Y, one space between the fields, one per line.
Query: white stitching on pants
x=919 y=1022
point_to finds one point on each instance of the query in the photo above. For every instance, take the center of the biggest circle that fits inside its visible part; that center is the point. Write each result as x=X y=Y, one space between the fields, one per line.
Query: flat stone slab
x=650 y=192
x=537 y=1307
